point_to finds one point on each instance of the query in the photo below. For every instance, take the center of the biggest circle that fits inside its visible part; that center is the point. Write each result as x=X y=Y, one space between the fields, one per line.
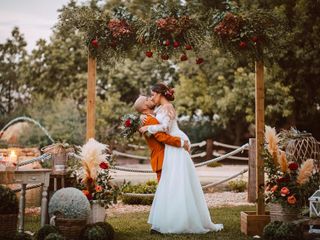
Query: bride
x=179 y=205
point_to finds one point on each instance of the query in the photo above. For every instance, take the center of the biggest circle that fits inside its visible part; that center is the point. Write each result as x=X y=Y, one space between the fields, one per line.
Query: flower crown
x=169 y=92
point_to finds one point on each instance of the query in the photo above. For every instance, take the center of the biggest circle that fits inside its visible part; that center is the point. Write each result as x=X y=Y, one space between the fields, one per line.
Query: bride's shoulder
x=169 y=110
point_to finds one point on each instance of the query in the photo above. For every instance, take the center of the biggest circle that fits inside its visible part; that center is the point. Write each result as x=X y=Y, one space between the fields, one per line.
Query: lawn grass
x=134 y=226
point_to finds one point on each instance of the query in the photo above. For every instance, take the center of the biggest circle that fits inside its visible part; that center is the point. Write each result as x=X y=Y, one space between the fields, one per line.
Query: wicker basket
x=8 y=223
x=301 y=148
x=279 y=213
x=70 y=228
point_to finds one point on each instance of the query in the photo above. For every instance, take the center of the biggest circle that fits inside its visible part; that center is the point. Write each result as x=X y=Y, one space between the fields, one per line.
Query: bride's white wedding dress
x=179 y=205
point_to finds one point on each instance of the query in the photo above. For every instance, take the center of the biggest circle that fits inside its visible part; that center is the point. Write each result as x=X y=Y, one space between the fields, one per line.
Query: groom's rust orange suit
x=156 y=143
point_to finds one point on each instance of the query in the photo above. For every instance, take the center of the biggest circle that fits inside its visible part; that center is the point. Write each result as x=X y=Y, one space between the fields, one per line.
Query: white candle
x=13 y=157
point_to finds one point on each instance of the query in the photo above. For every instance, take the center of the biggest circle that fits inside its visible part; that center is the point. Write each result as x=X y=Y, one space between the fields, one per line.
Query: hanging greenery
x=172 y=31
x=248 y=35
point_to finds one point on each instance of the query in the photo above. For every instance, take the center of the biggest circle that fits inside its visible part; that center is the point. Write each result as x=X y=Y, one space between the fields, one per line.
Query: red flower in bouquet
x=292 y=200
x=98 y=188
x=104 y=165
x=274 y=188
x=293 y=166
x=284 y=191
x=188 y=47
x=95 y=43
x=283 y=179
x=89 y=180
x=85 y=192
x=128 y=123
x=199 y=60
x=242 y=44
x=149 y=54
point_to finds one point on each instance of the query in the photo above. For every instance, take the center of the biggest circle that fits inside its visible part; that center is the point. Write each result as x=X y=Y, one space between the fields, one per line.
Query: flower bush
x=288 y=183
x=94 y=176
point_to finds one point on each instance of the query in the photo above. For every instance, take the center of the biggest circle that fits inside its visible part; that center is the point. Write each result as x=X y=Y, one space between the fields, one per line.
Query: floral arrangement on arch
x=287 y=183
x=94 y=176
x=107 y=36
x=171 y=31
x=246 y=34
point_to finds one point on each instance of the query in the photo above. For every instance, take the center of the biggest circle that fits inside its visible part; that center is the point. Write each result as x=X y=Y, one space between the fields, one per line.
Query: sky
x=35 y=18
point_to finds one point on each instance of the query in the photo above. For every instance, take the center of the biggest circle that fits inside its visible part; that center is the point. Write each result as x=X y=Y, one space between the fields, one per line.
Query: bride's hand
x=143 y=129
x=143 y=118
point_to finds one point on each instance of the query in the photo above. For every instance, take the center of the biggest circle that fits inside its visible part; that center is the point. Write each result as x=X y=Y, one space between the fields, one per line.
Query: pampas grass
x=92 y=153
x=305 y=172
x=272 y=140
x=283 y=162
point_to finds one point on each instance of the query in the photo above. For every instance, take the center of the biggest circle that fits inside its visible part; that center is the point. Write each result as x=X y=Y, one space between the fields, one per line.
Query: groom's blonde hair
x=139 y=104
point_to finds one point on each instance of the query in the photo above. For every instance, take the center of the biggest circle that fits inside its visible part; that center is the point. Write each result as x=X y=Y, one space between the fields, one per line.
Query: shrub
x=146 y=188
x=107 y=228
x=43 y=232
x=97 y=231
x=237 y=185
x=137 y=200
x=9 y=201
x=282 y=231
x=55 y=236
x=215 y=164
x=69 y=203
x=270 y=230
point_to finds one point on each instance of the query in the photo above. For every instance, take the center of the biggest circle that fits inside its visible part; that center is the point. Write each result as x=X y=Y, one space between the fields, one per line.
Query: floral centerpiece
x=94 y=176
x=288 y=183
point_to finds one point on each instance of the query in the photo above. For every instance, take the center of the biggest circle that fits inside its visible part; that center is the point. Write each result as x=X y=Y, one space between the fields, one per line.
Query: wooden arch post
x=91 y=97
x=253 y=222
x=259 y=122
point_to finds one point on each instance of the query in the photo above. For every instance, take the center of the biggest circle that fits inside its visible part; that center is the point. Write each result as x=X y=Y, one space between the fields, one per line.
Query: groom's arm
x=162 y=136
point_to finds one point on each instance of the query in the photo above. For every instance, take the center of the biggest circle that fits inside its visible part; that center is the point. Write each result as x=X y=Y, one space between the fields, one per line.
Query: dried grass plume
x=305 y=172
x=283 y=162
x=272 y=140
x=92 y=153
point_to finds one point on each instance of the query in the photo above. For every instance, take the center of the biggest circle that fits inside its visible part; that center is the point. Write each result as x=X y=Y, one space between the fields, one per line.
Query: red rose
x=183 y=57
x=176 y=44
x=89 y=196
x=188 y=47
x=242 y=44
x=164 y=57
x=89 y=180
x=199 y=60
x=149 y=54
x=104 y=165
x=127 y=123
x=95 y=43
x=254 y=39
x=284 y=191
x=293 y=166
x=283 y=179
x=166 y=43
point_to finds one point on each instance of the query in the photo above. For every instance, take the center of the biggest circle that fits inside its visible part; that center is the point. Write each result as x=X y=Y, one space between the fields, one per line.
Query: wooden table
x=32 y=176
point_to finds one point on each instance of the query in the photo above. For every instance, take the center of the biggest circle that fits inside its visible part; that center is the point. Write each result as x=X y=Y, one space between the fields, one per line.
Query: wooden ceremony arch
x=259 y=122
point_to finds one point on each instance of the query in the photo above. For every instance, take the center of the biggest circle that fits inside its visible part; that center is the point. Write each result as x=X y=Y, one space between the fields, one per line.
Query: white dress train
x=179 y=205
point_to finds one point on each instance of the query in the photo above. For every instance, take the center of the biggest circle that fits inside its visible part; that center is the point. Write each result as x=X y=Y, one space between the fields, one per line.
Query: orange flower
x=292 y=200
x=98 y=188
x=85 y=192
x=284 y=191
x=274 y=188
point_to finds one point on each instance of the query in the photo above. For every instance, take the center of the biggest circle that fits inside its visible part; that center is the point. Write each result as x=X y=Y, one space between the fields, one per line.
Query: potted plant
x=69 y=210
x=94 y=179
x=9 y=209
x=288 y=184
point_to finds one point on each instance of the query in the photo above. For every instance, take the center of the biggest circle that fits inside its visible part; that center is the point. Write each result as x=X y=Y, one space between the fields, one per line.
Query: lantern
x=314 y=223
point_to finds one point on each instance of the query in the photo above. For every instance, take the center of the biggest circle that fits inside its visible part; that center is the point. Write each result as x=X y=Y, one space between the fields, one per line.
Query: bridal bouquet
x=130 y=123
x=288 y=183
x=94 y=175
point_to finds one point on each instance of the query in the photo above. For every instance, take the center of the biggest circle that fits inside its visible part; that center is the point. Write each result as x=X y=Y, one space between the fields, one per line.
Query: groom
x=157 y=141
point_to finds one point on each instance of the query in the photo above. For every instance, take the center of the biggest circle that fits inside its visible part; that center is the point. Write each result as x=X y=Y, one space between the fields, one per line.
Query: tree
x=13 y=88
